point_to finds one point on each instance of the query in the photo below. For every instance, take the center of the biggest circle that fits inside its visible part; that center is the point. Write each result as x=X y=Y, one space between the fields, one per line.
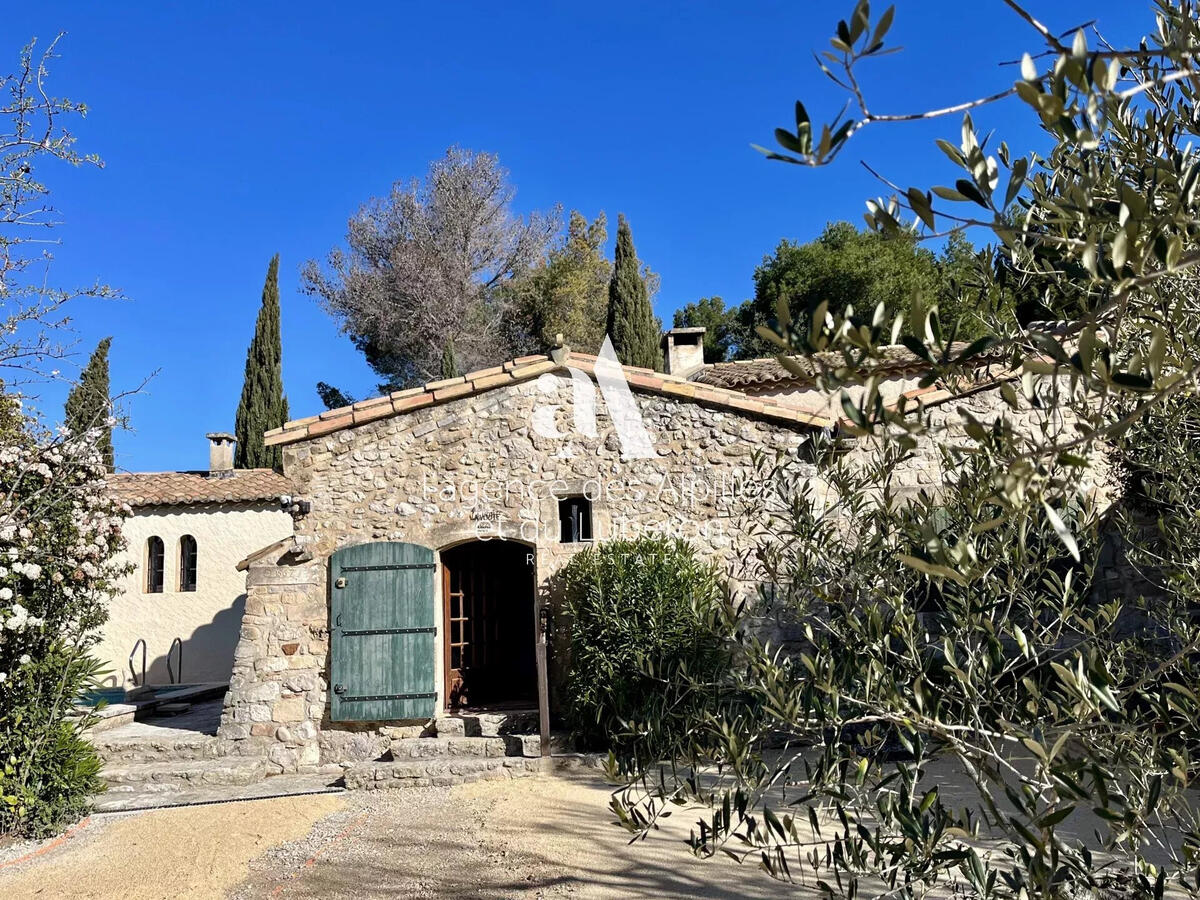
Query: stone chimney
x=220 y=452
x=683 y=350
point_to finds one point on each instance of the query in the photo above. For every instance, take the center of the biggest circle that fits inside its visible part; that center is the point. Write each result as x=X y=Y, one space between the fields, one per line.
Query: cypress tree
x=88 y=403
x=632 y=324
x=449 y=361
x=263 y=405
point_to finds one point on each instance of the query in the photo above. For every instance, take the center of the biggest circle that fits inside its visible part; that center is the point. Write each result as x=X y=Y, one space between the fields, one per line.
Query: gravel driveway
x=546 y=836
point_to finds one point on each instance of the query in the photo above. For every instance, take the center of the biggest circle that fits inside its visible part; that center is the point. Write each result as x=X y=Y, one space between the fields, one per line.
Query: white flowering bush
x=60 y=538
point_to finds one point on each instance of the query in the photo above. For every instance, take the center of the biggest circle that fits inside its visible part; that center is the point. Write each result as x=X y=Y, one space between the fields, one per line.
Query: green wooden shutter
x=382 y=637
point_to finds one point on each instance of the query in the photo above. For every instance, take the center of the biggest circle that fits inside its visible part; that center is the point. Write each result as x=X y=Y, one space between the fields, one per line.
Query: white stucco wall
x=207 y=619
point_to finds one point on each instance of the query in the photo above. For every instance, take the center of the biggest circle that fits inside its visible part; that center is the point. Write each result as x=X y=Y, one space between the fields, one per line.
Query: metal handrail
x=132 y=671
x=170 y=671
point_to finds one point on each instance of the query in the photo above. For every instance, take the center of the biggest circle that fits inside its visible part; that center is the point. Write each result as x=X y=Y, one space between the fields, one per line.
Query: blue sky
x=233 y=131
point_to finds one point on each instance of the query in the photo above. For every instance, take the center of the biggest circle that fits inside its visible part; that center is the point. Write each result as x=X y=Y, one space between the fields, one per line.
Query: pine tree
x=449 y=361
x=89 y=405
x=632 y=325
x=263 y=405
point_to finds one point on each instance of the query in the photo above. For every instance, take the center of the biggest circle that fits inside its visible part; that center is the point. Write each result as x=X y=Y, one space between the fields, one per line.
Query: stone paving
x=198 y=723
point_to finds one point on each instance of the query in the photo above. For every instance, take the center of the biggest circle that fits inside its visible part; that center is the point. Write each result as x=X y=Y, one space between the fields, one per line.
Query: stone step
x=200 y=746
x=371 y=776
x=435 y=747
x=487 y=724
x=175 y=774
x=523 y=745
x=504 y=745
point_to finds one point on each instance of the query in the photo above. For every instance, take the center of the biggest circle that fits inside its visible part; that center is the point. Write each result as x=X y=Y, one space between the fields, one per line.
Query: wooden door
x=487 y=588
x=382 y=637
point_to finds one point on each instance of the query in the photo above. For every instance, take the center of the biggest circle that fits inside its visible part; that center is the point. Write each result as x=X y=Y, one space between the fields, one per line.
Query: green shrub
x=60 y=563
x=647 y=649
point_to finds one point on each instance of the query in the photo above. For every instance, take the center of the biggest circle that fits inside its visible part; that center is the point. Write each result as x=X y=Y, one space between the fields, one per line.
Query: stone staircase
x=158 y=763
x=169 y=757
x=458 y=749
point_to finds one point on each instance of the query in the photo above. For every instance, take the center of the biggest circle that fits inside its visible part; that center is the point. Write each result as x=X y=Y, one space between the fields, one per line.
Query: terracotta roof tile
x=325 y=426
x=449 y=392
x=373 y=412
x=490 y=381
x=414 y=401
x=181 y=488
x=445 y=382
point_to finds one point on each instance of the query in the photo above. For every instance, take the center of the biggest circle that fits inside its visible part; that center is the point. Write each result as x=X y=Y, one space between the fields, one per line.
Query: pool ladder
x=173 y=676
x=141 y=642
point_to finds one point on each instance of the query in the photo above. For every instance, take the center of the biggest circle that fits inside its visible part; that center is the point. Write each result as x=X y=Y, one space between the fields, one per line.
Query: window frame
x=155 y=581
x=189 y=566
x=581 y=511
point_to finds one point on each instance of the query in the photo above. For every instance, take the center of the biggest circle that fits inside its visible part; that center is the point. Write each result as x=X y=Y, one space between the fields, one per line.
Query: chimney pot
x=683 y=350
x=220 y=452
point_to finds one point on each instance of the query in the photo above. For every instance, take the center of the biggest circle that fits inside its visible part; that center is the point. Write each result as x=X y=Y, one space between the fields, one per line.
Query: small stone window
x=575 y=519
x=187 y=563
x=155 y=565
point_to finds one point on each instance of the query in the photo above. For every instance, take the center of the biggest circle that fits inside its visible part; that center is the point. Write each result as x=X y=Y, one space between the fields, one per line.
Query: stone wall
x=491 y=465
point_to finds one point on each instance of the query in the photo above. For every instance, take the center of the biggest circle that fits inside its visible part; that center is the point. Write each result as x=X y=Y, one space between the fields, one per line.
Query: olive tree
x=960 y=632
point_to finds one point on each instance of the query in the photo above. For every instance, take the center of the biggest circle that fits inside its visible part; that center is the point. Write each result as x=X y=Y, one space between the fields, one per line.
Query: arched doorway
x=488 y=616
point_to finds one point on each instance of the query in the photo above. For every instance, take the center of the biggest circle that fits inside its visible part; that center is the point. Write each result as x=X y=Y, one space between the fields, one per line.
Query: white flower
x=6 y=594
x=31 y=571
x=3 y=677
x=24 y=660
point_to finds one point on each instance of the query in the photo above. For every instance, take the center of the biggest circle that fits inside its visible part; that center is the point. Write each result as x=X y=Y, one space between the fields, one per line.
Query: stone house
x=185 y=535
x=421 y=576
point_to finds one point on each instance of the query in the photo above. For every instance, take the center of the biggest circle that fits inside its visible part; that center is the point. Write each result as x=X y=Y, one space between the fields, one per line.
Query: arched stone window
x=155 y=564
x=187 y=563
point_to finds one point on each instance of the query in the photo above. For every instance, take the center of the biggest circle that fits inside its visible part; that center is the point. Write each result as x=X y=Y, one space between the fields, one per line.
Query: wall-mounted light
x=296 y=507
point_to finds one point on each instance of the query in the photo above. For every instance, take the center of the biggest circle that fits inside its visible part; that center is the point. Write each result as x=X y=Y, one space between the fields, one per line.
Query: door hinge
x=387 y=568
x=428 y=630
x=427 y=696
